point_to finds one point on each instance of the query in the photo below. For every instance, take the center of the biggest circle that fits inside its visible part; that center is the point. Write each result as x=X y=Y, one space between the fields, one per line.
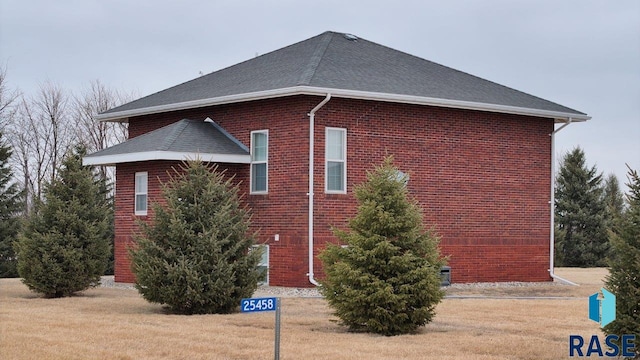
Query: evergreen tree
x=613 y=201
x=104 y=189
x=64 y=248
x=11 y=203
x=580 y=215
x=194 y=257
x=387 y=279
x=624 y=271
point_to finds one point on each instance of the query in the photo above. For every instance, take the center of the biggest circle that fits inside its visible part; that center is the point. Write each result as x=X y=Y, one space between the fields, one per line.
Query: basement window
x=263 y=265
x=141 y=193
x=259 y=161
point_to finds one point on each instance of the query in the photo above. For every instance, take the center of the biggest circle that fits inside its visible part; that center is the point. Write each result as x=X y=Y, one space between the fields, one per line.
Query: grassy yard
x=118 y=324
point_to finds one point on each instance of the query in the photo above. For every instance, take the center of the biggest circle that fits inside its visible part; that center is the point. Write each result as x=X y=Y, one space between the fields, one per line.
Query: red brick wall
x=482 y=179
x=283 y=210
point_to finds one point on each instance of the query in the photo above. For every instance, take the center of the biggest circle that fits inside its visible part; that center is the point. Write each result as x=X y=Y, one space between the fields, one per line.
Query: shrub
x=11 y=205
x=64 y=247
x=194 y=257
x=624 y=271
x=387 y=279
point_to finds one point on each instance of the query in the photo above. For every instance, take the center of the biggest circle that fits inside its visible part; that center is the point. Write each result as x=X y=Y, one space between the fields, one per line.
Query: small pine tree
x=11 y=199
x=624 y=271
x=195 y=256
x=580 y=215
x=104 y=188
x=387 y=279
x=613 y=201
x=64 y=248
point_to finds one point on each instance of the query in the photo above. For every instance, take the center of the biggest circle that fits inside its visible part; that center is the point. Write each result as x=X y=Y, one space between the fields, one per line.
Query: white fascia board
x=351 y=94
x=164 y=155
x=457 y=104
x=229 y=99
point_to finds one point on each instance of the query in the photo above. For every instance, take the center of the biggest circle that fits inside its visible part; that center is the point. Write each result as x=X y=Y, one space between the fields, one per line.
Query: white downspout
x=312 y=115
x=552 y=238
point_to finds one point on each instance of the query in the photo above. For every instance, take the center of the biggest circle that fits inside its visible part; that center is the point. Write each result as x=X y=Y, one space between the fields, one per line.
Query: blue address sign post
x=265 y=304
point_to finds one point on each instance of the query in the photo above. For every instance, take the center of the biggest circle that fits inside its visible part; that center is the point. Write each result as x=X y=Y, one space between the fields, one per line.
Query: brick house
x=479 y=155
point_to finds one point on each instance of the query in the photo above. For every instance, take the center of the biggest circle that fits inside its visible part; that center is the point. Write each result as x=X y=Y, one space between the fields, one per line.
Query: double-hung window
x=336 y=160
x=141 y=193
x=259 y=161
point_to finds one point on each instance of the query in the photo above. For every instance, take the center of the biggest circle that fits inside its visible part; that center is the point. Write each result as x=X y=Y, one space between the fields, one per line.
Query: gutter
x=558 y=116
x=552 y=238
x=112 y=160
x=312 y=115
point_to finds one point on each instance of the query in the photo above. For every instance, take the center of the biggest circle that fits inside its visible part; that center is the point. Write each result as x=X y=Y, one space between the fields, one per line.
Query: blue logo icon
x=602 y=311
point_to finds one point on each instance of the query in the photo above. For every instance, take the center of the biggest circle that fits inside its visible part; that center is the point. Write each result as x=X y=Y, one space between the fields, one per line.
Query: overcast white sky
x=581 y=54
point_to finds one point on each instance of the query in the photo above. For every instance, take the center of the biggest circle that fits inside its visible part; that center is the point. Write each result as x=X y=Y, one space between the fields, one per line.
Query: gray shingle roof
x=333 y=61
x=178 y=141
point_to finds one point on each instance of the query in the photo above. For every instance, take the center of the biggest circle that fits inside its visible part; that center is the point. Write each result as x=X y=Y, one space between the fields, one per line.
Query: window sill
x=336 y=196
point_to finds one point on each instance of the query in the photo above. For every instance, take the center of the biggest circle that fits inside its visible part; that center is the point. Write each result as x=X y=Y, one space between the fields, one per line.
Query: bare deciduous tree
x=40 y=135
x=93 y=100
x=97 y=135
x=21 y=161
x=41 y=128
x=8 y=99
x=51 y=108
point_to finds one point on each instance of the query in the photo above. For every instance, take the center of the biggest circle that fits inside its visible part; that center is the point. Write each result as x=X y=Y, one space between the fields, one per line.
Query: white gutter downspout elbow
x=552 y=206
x=312 y=115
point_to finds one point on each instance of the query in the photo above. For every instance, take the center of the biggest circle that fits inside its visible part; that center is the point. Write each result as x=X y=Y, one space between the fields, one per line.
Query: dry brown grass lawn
x=590 y=280
x=119 y=324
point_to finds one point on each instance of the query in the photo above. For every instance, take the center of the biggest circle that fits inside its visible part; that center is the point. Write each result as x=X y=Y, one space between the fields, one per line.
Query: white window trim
x=326 y=161
x=135 y=193
x=266 y=191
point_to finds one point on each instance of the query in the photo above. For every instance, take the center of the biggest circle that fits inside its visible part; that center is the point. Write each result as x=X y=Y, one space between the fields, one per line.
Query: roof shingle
x=177 y=141
x=334 y=61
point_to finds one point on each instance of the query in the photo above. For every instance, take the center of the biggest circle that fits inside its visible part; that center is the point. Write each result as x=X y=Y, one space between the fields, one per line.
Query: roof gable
x=345 y=66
